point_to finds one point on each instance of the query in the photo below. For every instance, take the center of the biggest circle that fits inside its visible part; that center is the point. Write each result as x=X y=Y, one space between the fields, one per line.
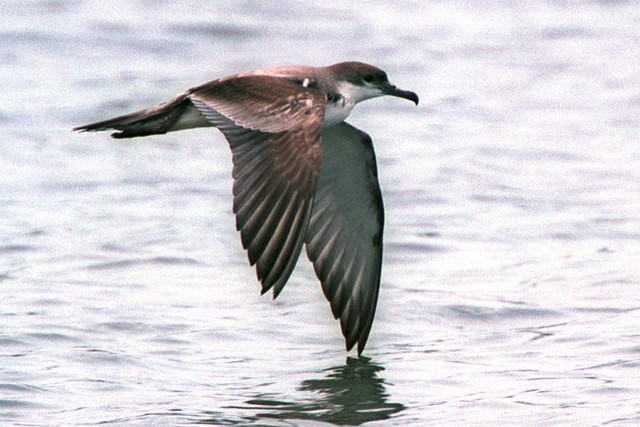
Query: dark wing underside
x=283 y=195
x=273 y=127
x=344 y=238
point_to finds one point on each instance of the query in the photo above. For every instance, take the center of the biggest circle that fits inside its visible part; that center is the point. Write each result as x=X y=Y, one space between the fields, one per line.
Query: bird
x=302 y=175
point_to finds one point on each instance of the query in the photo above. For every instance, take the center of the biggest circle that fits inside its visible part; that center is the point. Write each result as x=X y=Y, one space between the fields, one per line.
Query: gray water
x=510 y=291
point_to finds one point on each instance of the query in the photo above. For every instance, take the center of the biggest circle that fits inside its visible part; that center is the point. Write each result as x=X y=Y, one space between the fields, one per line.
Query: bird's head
x=358 y=82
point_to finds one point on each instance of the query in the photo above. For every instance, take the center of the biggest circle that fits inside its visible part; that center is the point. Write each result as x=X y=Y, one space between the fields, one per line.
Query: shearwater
x=302 y=175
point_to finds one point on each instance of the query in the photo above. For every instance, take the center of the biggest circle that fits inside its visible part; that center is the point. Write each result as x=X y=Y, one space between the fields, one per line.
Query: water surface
x=512 y=194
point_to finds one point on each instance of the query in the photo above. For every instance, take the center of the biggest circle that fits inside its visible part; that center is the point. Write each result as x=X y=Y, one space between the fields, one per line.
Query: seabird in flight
x=302 y=175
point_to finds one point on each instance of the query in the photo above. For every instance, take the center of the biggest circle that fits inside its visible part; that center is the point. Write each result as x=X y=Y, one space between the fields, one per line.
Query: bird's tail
x=155 y=120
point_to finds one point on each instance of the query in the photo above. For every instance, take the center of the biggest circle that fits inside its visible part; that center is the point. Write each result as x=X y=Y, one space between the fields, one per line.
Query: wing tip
x=362 y=342
x=267 y=286
x=94 y=128
x=361 y=345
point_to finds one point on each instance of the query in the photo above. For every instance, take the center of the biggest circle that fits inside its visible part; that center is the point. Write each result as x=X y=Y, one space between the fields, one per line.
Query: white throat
x=338 y=110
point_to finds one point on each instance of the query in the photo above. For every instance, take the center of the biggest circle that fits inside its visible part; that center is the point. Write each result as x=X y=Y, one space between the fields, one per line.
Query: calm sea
x=511 y=278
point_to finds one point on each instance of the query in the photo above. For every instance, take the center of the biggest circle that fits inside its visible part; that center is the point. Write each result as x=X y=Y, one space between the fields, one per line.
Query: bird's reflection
x=350 y=394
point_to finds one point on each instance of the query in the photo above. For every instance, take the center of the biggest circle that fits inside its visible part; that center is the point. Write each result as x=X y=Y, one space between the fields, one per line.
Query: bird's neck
x=341 y=97
x=337 y=109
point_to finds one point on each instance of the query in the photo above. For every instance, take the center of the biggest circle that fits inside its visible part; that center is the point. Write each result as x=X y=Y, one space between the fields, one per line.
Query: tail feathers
x=152 y=121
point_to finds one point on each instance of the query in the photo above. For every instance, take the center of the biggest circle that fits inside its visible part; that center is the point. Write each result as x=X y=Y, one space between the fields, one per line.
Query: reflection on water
x=350 y=394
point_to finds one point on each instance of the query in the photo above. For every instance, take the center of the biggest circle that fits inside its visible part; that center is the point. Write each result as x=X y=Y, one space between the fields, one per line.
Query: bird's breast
x=336 y=110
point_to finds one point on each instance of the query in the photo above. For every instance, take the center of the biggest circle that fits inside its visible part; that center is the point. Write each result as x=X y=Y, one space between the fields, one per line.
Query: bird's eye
x=368 y=78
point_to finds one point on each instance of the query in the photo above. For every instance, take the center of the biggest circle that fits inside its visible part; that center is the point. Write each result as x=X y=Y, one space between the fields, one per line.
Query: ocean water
x=510 y=291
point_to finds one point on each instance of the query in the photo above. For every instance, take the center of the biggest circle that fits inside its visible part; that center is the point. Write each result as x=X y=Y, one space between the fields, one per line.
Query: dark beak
x=389 y=89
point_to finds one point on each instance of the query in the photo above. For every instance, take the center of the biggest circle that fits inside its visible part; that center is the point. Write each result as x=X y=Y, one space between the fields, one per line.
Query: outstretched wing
x=273 y=127
x=344 y=238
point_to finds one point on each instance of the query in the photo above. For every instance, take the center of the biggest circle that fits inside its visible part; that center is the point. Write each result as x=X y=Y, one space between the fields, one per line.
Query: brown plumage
x=301 y=174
